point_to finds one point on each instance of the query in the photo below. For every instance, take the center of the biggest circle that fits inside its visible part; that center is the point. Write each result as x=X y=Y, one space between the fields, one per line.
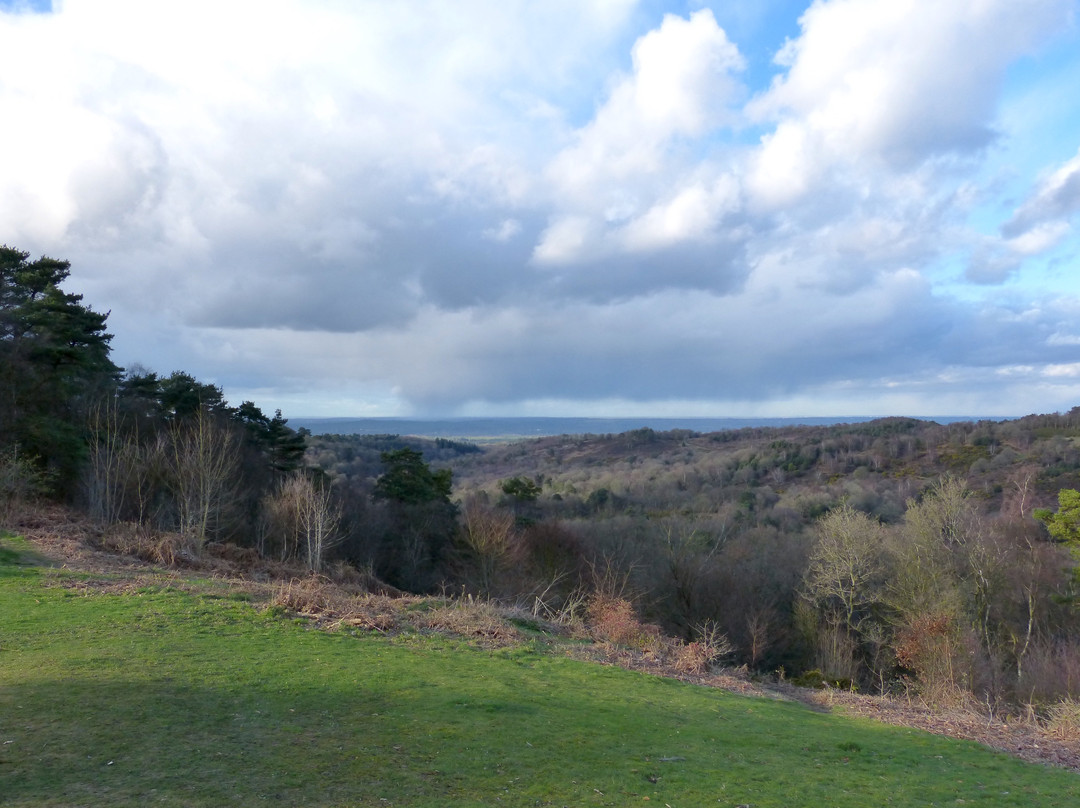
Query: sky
x=742 y=208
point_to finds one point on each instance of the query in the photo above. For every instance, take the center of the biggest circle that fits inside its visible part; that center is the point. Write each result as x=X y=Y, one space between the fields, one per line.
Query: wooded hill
x=868 y=553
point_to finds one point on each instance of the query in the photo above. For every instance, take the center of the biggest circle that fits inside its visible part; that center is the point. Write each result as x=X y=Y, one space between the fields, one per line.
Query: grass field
x=170 y=697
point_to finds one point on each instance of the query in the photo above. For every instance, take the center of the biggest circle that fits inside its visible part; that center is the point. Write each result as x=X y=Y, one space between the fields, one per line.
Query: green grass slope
x=165 y=697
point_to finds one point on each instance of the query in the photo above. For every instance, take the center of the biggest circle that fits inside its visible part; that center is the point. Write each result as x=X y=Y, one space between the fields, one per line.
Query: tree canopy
x=1064 y=524
x=409 y=480
x=54 y=349
x=521 y=489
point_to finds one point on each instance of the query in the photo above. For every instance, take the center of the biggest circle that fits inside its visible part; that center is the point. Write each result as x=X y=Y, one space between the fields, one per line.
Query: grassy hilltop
x=164 y=688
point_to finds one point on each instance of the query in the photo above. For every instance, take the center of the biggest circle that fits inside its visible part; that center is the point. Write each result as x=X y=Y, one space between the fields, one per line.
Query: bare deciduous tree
x=111 y=463
x=844 y=577
x=844 y=586
x=319 y=519
x=488 y=536
x=203 y=465
x=302 y=517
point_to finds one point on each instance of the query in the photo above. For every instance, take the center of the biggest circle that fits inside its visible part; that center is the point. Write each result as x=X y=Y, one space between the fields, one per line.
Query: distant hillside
x=495 y=429
x=877 y=464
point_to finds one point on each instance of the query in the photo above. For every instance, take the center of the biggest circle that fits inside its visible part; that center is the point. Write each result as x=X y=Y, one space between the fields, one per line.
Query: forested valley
x=898 y=555
x=895 y=554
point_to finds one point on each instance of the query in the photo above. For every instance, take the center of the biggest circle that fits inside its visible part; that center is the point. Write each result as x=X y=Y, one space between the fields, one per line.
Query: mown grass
x=163 y=697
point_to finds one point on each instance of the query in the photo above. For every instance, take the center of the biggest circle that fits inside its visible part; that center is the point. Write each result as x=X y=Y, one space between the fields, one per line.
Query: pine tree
x=54 y=355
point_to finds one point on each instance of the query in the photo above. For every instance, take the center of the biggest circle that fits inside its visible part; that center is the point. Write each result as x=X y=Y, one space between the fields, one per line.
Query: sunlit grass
x=170 y=698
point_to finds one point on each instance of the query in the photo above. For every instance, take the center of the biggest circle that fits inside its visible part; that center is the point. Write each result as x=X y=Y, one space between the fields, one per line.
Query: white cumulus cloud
x=682 y=87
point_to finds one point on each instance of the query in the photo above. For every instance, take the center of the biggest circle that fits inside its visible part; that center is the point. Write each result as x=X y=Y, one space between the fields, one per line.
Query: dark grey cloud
x=693 y=346
x=719 y=267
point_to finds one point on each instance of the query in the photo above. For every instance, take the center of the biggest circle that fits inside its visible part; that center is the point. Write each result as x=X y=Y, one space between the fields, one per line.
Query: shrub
x=691 y=657
x=314 y=596
x=320 y=598
x=613 y=620
x=1063 y=721
x=812 y=679
x=148 y=544
x=698 y=656
x=933 y=647
x=472 y=617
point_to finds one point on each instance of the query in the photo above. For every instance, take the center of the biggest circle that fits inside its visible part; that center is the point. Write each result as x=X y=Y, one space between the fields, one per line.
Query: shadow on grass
x=86 y=743
x=497 y=738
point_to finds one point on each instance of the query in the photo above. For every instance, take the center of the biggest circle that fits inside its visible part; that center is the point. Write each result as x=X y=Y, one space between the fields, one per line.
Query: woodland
x=898 y=555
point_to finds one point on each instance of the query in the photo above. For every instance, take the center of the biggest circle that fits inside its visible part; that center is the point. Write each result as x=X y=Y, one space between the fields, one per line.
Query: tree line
x=158 y=453
x=166 y=466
